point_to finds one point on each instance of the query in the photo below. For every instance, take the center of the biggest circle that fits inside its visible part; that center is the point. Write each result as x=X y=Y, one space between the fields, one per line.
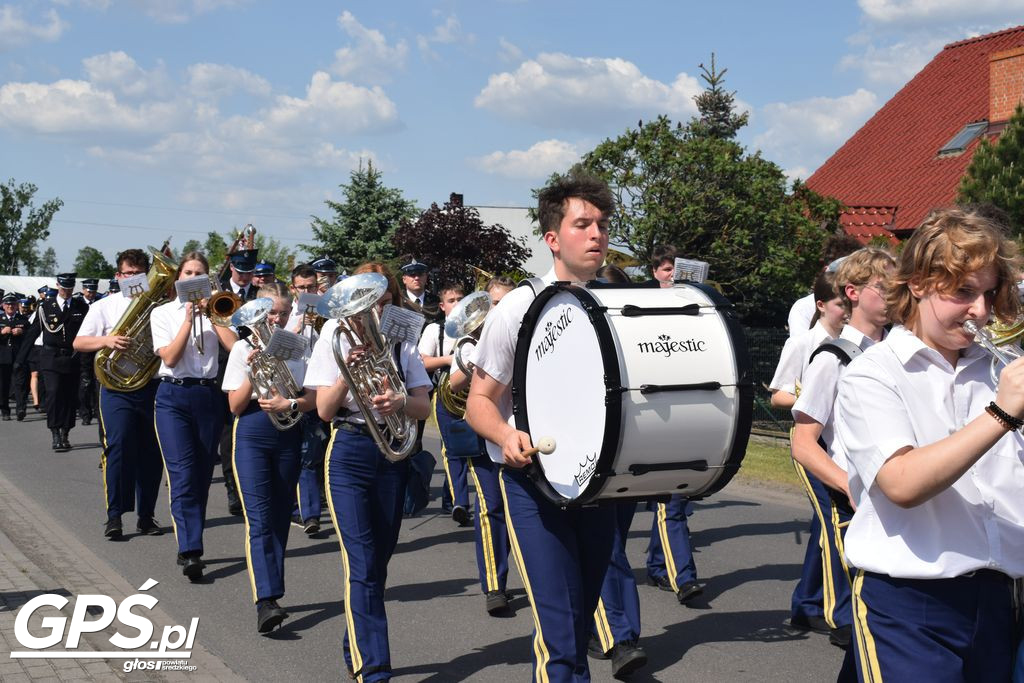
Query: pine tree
x=717 y=107
x=996 y=173
x=364 y=222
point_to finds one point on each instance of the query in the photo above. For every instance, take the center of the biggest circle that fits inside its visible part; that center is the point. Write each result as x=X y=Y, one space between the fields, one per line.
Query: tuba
x=268 y=374
x=465 y=322
x=132 y=368
x=999 y=341
x=353 y=303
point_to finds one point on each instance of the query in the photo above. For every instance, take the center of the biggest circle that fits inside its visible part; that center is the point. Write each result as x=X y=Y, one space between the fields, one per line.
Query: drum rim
x=612 y=381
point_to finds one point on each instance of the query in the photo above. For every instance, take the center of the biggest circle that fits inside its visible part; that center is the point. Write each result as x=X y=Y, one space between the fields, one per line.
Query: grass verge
x=768 y=465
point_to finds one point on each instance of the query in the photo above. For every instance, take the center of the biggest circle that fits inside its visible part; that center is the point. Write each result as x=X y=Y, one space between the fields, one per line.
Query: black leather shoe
x=57 y=443
x=311 y=526
x=595 y=650
x=461 y=515
x=497 y=603
x=113 y=529
x=815 y=624
x=269 y=615
x=627 y=658
x=192 y=567
x=688 y=591
x=149 y=527
x=661 y=582
x=64 y=443
x=234 y=504
x=21 y=416
x=840 y=636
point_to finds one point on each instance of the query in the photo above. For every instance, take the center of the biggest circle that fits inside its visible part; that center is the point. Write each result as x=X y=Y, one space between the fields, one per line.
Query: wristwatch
x=293 y=405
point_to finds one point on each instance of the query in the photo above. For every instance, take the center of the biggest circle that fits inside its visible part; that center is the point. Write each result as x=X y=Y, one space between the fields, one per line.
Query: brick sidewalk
x=37 y=556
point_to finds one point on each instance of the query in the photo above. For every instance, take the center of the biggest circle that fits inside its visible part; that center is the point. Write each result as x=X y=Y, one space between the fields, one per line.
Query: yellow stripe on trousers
x=829 y=591
x=666 y=546
x=444 y=451
x=540 y=650
x=603 y=628
x=167 y=474
x=103 y=457
x=870 y=670
x=486 y=535
x=245 y=510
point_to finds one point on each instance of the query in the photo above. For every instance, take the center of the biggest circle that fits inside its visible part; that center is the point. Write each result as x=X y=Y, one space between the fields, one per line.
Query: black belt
x=190 y=381
x=59 y=350
x=354 y=427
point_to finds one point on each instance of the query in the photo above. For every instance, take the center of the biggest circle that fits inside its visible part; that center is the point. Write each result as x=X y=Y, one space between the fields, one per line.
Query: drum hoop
x=613 y=391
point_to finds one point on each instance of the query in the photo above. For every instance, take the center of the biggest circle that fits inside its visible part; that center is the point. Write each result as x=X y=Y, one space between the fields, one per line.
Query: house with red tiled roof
x=909 y=157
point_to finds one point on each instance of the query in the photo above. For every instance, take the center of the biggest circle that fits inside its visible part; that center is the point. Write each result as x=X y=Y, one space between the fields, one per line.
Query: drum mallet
x=545 y=445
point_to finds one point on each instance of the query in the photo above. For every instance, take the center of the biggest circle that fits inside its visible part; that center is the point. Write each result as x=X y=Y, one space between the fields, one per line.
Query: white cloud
x=219 y=80
x=910 y=12
x=801 y=135
x=121 y=74
x=447 y=33
x=179 y=11
x=508 y=51
x=368 y=58
x=539 y=161
x=558 y=90
x=333 y=107
x=16 y=30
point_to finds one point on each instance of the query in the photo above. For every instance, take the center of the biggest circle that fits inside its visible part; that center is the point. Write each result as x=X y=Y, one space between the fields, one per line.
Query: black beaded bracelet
x=1011 y=422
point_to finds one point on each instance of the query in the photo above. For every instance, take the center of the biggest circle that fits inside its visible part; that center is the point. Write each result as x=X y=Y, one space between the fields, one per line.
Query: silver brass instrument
x=1003 y=352
x=268 y=374
x=464 y=323
x=353 y=303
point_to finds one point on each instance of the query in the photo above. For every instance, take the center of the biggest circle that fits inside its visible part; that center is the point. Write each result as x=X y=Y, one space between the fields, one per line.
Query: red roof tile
x=892 y=161
x=868 y=222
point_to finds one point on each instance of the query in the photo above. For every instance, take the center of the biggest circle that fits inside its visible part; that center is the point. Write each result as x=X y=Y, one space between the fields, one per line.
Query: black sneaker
x=461 y=515
x=595 y=650
x=627 y=658
x=815 y=624
x=311 y=526
x=497 y=603
x=269 y=615
x=192 y=567
x=688 y=591
x=661 y=582
x=149 y=527
x=113 y=529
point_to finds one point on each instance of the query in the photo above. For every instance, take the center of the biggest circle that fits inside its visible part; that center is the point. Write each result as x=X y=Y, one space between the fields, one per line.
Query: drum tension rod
x=631 y=311
x=699 y=386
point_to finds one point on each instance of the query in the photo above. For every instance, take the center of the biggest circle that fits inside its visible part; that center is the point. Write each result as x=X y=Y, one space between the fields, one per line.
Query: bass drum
x=646 y=391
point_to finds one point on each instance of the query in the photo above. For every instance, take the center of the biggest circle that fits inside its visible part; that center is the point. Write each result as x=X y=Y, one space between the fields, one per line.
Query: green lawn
x=768 y=465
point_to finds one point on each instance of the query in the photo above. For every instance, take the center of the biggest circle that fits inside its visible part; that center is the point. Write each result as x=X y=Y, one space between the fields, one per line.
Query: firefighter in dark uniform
x=12 y=333
x=113 y=286
x=88 y=396
x=59 y=319
x=415 y=279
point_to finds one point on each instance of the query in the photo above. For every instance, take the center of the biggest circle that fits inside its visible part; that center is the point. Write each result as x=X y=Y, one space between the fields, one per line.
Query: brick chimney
x=455 y=199
x=1005 y=83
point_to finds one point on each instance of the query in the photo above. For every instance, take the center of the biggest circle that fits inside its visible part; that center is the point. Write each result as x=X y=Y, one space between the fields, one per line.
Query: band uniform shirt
x=495 y=353
x=104 y=314
x=820 y=385
x=237 y=369
x=429 y=346
x=796 y=353
x=296 y=324
x=902 y=393
x=323 y=370
x=165 y=322
x=800 y=315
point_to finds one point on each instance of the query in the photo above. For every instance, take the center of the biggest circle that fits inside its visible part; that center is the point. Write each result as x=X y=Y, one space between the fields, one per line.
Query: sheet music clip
x=135 y=285
x=690 y=270
x=401 y=324
x=308 y=300
x=193 y=288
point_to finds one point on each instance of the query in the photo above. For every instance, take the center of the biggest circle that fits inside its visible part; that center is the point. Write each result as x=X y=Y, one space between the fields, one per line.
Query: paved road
x=749 y=546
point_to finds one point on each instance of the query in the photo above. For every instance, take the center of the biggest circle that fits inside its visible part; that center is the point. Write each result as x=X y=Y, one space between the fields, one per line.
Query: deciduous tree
x=22 y=226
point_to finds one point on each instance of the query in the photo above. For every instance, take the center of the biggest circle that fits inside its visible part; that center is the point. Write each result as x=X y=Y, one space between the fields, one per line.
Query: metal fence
x=765 y=346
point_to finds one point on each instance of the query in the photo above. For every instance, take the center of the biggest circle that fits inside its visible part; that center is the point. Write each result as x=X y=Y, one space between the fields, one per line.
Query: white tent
x=28 y=284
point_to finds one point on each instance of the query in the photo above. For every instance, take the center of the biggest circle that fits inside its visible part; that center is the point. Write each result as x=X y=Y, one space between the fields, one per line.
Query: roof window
x=963 y=138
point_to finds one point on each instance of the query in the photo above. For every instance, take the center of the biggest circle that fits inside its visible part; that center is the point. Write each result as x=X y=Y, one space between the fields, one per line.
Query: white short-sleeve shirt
x=165 y=321
x=103 y=315
x=800 y=315
x=237 y=369
x=796 y=352
x=902 y=393
x=428 y=345
x=496 y=352
x=322 y=370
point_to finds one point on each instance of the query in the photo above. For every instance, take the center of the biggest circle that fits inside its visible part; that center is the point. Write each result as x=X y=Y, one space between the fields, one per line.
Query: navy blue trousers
x=936 y=630
x=131 y=457
x=809 y=596
x=266 y=468
x=492 y=544
x=617 y=618
x=670 y=554
x=562 y=556
x=307 y=494
x=188 y=424
x=835 y=578
x=365 y=493
x=456 y=468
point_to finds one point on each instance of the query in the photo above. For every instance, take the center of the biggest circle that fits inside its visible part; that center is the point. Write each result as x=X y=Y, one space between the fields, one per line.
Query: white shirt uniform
x=428 y=345
x=296 y=324
x=165 y=322
x=236 y=370
x=417 y=299
x=793 y=359
x=902 y=393
x=821 y=385
x=800 y=315
x=103 y=315
x=323 y=370
x=496 y=352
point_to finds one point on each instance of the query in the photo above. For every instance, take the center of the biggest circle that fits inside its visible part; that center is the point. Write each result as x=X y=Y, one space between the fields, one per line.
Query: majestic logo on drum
x=586 y=470
x=552 y=331
x=667 y=346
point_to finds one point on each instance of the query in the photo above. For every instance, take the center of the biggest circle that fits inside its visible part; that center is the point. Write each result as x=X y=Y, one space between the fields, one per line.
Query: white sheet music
x=401 y=324
x=197 y=287
x=135 y=285
x=688 y=269
x=286 y=345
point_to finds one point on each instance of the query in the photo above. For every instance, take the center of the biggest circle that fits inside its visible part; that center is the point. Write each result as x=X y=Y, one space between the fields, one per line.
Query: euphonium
x=267 y=374
x=132 y=368
x=464 y=323
x=1002 y=348
x=353 y=303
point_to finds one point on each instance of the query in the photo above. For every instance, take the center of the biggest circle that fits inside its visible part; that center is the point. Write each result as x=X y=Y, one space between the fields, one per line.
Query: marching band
x=314 y=395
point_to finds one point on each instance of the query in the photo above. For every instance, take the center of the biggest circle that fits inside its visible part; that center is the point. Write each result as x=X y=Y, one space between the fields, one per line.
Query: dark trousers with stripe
x=835 y=578
x=365 y=493
x=617 y=619
x=456 y=468
x=809 y=596
x=670 y=553
x=308 y=504
x=937 y=630
x=562 y=556
x=188 y=424
x=266 y=469
x=131 y=457
x=492 y=545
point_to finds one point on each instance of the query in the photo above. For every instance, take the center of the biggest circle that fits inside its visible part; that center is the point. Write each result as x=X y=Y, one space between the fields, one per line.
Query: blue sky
x=175 y=117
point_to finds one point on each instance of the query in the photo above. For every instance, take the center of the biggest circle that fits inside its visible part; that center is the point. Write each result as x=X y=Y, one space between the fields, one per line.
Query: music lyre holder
x=285 y=345
x=401 y=324
x=135 y=285
x=193 y=290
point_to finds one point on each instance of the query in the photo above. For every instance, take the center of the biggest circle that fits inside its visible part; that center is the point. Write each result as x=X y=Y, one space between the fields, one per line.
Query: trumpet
x=219 y=308
x=465 y=322
x=267 y=374
x=353 y=303
x=1002 y=349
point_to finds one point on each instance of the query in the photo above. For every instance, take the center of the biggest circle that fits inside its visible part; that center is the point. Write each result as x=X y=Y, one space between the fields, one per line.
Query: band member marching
x=88 y=396
x=12 y=332
x=562 y=554
x=188 y=413
x=365 y=489
x=266 y=457
x=60 y=318
x=131 y=457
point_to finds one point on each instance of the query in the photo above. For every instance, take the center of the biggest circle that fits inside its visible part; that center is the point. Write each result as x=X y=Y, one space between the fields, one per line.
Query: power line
x=186 y=210
x=149 y=228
